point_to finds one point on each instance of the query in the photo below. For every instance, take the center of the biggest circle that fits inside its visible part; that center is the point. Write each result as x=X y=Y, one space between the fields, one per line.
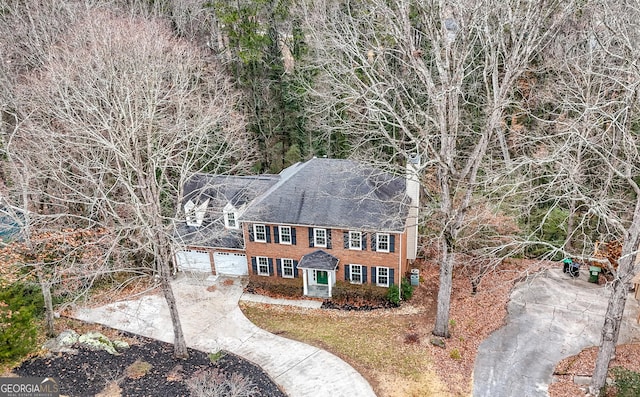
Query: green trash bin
x=594 y=272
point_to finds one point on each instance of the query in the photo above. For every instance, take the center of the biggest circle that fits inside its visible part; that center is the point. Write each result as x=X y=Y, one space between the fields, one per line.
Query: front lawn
x=372 y=342
x=391 y=347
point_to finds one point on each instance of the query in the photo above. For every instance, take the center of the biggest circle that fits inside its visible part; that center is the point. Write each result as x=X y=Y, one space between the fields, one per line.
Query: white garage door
x=230 y=263
x=193 y=261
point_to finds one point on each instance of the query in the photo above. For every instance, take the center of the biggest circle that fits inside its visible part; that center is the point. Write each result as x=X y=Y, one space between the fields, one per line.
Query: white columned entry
x=305 y=289
x=330 y=275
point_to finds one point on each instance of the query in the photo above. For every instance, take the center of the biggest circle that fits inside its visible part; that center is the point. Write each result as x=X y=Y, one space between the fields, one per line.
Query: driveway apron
x=550 y=317
x=211 y=320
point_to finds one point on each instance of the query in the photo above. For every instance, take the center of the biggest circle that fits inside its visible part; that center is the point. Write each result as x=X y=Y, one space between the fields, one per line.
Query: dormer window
x=195 y=213
x=230 y=220
x=230 y=216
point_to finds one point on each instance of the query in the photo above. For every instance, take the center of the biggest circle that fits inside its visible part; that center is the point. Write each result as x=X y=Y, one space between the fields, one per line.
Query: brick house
x=322 y=220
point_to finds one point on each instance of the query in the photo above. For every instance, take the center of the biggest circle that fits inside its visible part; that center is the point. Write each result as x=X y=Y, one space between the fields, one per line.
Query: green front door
x=322 y=277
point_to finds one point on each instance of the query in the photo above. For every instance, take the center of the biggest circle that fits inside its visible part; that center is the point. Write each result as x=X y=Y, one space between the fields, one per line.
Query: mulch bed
x=87 y=373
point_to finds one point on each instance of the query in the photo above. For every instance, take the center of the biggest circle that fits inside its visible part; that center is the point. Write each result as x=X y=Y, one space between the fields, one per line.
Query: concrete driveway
x=212 y=321
x=550 y=317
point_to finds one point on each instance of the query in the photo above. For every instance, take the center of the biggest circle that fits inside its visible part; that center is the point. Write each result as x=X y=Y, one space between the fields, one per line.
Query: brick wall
x=347 y=256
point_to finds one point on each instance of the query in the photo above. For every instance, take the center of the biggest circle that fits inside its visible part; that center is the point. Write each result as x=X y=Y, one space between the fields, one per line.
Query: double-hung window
x=382 y=276
x=355 y=275
x=382 y=242
x=260 y=233
x=230 y=220
x=285 y=235
x=263 y=265
x=355 y=240
x=320 y=237
x=287 y=268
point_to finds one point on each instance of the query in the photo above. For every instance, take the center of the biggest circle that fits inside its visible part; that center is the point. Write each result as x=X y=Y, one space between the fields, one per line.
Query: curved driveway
x=550 y=317
x=213 y=321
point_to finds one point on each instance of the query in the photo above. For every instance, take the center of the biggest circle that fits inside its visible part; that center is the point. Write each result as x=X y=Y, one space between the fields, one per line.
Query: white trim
x=378 y=235
x=280 y=235
x=194 y=214
x=328 y=226
x=353 y=238
x=305 y=285
x=255 y=233
x=282 y=263
x=351 y=273
x=316 y=237
x=258 y=264
x=378 y=275
x=227 y=224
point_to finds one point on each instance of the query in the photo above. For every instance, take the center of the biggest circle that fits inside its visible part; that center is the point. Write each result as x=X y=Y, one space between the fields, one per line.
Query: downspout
x=400 y=270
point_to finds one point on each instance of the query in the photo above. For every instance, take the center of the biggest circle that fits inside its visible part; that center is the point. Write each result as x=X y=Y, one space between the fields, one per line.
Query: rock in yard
x=120 y=345
x=437 y=342
x=67 y=338
x=63 y=342
x=97 y=341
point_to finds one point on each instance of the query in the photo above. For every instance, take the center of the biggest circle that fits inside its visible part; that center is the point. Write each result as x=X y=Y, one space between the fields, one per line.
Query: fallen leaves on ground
x=473 y=317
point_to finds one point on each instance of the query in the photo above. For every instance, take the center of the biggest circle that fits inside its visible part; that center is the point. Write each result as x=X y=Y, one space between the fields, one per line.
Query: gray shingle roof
x=333 y=193
x=219 y=190
x=319 y=260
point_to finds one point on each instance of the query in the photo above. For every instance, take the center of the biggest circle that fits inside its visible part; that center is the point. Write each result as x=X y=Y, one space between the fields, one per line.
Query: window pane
x=355 y=240
x=356 y=273
x=231 y=219
x=263 y=266
x=383 y=276
x=320 y=237
x=285 y=234
x=383 y=242
x=260 y=233
x=287 y=268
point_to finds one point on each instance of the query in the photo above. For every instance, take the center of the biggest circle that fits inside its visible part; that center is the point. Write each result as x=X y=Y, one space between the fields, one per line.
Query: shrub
x=20 y=306
x=626 y=382
x=407 y=289
x=214 y=357
x=138 y=369
x=347 y=293
x=455 y=354
x=288 y=287
x=214 y=383
x=393 y=294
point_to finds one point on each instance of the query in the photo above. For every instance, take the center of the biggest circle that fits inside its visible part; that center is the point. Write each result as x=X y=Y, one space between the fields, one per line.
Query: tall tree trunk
x=610 y=333
x=48 y=307
x=179 y=343
x=444 y=292
x=617 y=301
x=568 y=245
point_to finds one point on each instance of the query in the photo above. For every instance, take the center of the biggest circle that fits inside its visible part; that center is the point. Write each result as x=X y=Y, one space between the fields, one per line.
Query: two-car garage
x=225 y=263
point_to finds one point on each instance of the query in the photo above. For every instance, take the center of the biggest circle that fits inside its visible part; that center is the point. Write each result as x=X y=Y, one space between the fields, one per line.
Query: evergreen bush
x=20 y=306
x=393 y=294
x=627 y=382
x=407 y=289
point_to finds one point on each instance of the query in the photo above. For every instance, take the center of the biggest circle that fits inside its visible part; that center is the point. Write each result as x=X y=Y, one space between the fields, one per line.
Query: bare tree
x=120 y=115
x=591 y=146
x=433 y=78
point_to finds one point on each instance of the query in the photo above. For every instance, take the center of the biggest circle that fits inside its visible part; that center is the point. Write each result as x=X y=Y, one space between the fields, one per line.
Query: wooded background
x=525 y=115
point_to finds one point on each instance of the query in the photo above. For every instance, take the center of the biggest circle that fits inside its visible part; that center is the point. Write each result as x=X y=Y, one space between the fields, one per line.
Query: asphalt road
x=550 y=317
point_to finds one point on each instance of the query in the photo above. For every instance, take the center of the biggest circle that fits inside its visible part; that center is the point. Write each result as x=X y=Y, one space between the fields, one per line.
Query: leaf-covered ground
x=392 y=349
